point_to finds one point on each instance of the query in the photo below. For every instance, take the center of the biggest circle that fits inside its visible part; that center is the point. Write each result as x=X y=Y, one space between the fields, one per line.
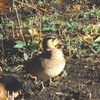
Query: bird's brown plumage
x=48 y=64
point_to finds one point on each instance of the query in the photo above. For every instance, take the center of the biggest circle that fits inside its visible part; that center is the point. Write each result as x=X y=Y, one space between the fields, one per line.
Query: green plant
x=49 y=26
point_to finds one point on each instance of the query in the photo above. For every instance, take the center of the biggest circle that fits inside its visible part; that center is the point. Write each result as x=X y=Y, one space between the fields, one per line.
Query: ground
x=80 y=79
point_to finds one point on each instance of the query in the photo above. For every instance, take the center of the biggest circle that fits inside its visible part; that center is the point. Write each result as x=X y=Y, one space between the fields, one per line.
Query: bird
x=50 y=63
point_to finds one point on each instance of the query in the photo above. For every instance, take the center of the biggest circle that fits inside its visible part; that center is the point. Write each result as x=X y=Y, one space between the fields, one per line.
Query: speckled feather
x=46 y=65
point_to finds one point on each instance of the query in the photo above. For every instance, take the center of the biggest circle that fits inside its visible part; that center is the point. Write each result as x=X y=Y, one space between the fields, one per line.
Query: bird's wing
x=35 y=64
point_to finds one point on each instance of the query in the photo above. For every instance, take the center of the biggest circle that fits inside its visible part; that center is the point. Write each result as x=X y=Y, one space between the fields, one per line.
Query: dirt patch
x=81 y=83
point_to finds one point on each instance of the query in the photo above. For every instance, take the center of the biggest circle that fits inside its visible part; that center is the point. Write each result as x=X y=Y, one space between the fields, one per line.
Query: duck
x=50 y=63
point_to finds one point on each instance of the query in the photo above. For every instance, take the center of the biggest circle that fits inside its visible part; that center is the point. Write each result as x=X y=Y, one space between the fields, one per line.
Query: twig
x=25 y=4
x=92 y=50
x=2 y=30
x=20 y=30
x=43 y=10
x=34 y=7
x=2 y=50
x=69 y=46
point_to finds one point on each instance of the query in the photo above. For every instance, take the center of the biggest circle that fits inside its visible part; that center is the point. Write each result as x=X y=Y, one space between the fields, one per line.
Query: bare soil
x=82 y=81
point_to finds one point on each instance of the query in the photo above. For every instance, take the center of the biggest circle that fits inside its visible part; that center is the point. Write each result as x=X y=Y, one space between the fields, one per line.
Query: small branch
x=2 y=30
x=43 y=10
x=25 y=4
x=20 y=30
x=92 y=50
x=69 y=46
x=2 y=50
x=34 y=7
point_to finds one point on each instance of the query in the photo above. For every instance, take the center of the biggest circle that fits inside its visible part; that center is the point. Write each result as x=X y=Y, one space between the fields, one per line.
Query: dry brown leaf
x=1 y=4
x=86 y=66
x=4 y=5
x=86 y=38
x=60 y=1
x=95 y=28
x=1 y=69
x=16 y=94
x=32 y=32
x=96 y=25
x=4 y=1
x=64 y=31
x=75 y=7
x=4 y=10
x=3 y=92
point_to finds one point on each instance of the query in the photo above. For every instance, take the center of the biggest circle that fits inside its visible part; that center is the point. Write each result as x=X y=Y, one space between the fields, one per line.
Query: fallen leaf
x=75 y=7
x=60 y=1
x=1 y=4
x=4 y=5
x=87 y=38
x=96 y=27
x=32 y=32
x=86 y=66
x=16 y=94
x=1 y=69
x=4 y=1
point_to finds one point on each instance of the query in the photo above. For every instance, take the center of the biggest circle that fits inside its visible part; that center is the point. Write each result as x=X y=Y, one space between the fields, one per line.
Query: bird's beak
x=62 y=44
